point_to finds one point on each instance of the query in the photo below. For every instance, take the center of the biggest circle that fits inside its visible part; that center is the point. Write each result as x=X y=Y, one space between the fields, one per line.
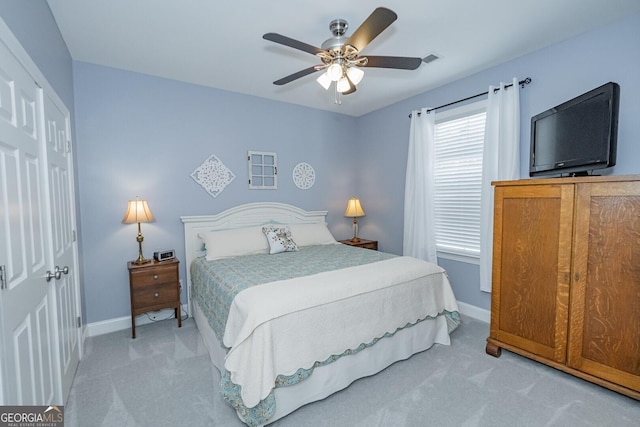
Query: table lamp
x=354 y=209
x=138 y=211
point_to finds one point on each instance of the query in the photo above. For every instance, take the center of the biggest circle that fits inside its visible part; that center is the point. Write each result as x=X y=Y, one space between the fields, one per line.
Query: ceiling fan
x=340 y=55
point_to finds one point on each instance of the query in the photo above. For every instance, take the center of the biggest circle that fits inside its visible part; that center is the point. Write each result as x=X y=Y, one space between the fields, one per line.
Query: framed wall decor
x=304 y=176
x=213 y=176
x=263 y=170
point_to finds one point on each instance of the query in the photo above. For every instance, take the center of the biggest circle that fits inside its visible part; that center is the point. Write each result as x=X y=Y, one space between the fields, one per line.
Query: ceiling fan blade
x=295 y=76
x=287 y=41
x=376 y=23
x=398 y=62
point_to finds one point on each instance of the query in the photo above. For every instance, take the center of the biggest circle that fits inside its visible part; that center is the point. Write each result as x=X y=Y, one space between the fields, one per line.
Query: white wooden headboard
x=250 y=214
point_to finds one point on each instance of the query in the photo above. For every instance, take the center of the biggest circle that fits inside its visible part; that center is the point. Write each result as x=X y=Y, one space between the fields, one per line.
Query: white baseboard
x=120 y=323
x=475 y=312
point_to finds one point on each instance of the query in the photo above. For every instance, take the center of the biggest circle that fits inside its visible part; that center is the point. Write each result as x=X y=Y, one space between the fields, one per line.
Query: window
x=263 y=170
x=459 y=138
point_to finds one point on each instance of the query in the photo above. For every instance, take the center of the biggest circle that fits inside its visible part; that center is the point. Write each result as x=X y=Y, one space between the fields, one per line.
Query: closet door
x=26 y=310
x=64 y=246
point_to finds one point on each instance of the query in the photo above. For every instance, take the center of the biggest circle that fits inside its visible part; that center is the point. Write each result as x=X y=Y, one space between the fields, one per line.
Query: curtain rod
x=522 y=84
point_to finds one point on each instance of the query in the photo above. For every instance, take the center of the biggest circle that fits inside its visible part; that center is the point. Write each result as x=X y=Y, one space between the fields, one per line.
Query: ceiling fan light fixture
x=324 y=80
x=340 y=57
x=355 y=75
x=342 y=85
x=335 y=72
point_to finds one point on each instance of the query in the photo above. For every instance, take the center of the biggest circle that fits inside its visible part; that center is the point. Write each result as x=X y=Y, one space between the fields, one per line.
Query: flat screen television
x=578 y=136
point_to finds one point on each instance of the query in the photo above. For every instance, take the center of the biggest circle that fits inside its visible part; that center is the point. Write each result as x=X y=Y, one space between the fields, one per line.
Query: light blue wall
x=33 y=24
x=559 y=73
x=142 y=135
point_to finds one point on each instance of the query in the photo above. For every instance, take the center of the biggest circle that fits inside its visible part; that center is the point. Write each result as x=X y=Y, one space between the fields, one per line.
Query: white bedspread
x=279 y=327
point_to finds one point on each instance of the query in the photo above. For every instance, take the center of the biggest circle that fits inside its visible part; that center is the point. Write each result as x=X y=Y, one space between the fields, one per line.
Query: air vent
x=430 y=58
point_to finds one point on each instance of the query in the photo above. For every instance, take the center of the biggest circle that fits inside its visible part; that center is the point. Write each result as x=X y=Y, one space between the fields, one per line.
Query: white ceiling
x=218 y=43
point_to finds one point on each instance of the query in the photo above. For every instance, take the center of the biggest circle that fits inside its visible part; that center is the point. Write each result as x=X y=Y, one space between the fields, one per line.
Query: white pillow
x=279 y=239
x=234 y=242
x=312 y=234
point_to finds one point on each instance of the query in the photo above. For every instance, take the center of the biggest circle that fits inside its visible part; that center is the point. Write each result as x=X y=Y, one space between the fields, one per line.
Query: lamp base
x=141 y=259
x=355 y=239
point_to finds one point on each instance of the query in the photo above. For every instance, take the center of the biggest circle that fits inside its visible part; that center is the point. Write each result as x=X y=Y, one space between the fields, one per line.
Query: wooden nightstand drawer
x=156 y=294
x=148 y=277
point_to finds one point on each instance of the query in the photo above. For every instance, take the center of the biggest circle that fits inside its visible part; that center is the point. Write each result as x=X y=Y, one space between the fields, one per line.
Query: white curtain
x=419 y=228
x=500 y=161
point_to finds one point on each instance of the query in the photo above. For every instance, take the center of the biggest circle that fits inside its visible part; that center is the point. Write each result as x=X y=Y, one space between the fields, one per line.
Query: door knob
x=57 y=273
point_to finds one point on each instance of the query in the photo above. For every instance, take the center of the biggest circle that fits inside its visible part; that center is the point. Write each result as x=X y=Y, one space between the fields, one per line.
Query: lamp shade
x=343 y=85
x=324 y=80
x=334 y=71
x=355 y=75
x=354 y=209
x=138 y=211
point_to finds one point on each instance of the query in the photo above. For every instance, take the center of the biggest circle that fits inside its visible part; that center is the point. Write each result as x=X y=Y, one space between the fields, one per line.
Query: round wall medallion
x=304 y=176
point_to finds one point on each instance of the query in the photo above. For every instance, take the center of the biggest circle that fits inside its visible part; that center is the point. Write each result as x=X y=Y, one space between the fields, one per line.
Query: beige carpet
x=164 y=378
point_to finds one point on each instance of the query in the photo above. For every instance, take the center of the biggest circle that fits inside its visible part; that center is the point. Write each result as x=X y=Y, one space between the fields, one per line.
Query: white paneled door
x=39 y=335
x=27 y=343
x=63 y=239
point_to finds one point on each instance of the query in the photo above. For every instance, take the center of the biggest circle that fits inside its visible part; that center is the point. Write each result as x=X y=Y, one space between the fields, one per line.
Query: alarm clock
x=164 y=255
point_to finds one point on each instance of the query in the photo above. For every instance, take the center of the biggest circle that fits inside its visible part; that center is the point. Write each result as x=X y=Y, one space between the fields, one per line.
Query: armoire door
x=604 y=339
x=63 y=229
x=29 y=375
x=531 y=269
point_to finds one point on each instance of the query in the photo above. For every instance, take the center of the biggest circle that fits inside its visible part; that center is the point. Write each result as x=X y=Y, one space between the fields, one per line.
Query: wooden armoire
x=566 y=276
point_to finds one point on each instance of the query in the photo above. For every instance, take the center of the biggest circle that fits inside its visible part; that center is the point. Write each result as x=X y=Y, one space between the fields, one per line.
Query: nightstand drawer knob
x=155 y=277
x=156 y=295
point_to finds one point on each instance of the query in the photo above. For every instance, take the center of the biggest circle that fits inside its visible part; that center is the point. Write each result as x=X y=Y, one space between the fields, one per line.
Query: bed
x=290 y=316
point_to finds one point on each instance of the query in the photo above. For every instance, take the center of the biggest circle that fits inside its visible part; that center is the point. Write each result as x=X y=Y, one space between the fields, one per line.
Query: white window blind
x=459 y=138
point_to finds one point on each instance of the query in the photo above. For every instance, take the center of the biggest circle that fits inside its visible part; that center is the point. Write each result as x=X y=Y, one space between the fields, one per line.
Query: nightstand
x=154 y=286
x=362 y=243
